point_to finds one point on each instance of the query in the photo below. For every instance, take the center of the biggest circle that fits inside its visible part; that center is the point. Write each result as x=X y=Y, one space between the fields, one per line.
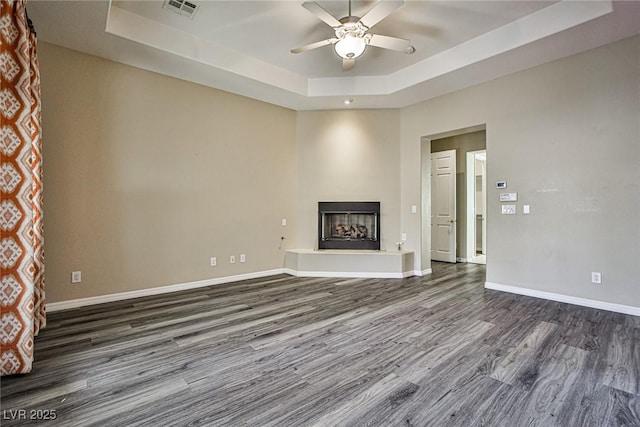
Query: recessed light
x=348 y=101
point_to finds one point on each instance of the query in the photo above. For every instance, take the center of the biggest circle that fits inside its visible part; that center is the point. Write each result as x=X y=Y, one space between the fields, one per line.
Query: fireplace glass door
x=349 y=225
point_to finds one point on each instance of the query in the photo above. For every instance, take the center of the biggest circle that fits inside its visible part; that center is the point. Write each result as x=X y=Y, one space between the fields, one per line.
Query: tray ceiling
x=243 y=46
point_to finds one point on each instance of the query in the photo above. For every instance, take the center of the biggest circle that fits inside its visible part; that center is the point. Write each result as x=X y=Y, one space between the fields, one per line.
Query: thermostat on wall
x=501 y=184
x=508 y=197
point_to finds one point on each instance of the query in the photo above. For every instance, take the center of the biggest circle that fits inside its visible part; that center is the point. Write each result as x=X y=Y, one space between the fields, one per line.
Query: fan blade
x=386 y=42
x=314 y=45
x=348 y=64
x=321 y=14
x=379 y=12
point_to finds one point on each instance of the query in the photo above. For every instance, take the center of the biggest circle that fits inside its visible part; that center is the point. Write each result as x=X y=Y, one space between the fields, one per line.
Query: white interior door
x=443 y=206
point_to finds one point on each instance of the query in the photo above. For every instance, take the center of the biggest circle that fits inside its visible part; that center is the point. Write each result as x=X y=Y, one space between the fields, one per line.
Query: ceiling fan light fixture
x=350 y=46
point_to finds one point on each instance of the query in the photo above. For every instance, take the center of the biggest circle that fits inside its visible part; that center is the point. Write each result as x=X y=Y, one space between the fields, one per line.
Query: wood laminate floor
x=437 y=350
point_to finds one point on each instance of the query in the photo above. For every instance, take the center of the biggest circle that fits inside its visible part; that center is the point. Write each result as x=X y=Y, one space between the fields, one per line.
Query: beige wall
x=348 y=155
x=566 y=138
x=147 y=177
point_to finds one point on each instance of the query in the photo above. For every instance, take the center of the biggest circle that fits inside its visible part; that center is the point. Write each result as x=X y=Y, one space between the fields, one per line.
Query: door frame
x=471 y=203
x=423 y=265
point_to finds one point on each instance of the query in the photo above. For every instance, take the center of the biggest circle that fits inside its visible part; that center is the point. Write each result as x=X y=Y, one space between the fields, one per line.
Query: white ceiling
x=243 y=46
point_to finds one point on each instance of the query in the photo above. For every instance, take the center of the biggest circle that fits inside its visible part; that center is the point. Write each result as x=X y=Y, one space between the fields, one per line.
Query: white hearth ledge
x=349 y=263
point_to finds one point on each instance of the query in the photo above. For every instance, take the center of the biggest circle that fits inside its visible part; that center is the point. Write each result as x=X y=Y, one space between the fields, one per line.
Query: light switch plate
x=525 y=209
x=508 y=209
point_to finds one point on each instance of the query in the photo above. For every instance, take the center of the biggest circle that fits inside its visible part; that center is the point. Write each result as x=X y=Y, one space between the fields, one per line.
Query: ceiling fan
x=351 y=32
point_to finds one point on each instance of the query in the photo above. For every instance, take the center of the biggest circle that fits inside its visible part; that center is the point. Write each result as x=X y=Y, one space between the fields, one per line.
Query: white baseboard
x=350 y=274
x=82 y=302
x=423 y=272
x=290 y=272
x=459 y=259
x=585 y=302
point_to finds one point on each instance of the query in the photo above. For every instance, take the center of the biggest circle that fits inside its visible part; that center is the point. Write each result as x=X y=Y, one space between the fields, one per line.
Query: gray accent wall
x=566 y=137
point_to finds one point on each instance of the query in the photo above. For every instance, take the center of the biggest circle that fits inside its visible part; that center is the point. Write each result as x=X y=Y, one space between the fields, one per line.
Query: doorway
x=463 y=141
x=476 y=207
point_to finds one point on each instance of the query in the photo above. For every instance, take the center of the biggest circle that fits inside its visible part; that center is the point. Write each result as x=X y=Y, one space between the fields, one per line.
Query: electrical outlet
x=214 y=261
x=76 y=276
x=232 y=259
x=404 y=237
x=596 y=277
x=414 y=209
x=284 y=222
x=243 y=258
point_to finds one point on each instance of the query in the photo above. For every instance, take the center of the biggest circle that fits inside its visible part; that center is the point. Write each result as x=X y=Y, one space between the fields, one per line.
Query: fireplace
x=349 y=225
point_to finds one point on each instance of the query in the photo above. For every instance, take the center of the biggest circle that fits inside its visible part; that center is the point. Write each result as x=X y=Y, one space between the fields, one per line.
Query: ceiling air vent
x=181 y=7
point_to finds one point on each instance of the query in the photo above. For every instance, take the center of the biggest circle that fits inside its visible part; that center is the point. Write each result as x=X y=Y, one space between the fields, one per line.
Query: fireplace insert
x=349 y=225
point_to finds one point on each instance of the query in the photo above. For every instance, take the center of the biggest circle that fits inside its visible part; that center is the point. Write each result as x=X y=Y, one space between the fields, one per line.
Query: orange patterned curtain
x=21 y=244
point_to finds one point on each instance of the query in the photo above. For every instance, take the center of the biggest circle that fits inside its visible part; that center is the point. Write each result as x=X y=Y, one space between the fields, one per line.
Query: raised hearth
x=346 y=263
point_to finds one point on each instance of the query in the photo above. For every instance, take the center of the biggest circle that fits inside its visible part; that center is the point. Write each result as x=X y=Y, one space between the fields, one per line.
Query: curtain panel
x=21 y=244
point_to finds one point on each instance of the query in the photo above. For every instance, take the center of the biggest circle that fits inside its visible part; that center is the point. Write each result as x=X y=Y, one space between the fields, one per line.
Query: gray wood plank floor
x=437 y=350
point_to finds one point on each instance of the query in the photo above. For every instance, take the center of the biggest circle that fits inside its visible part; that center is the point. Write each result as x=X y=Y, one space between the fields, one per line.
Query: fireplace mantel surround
x=349 y=235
